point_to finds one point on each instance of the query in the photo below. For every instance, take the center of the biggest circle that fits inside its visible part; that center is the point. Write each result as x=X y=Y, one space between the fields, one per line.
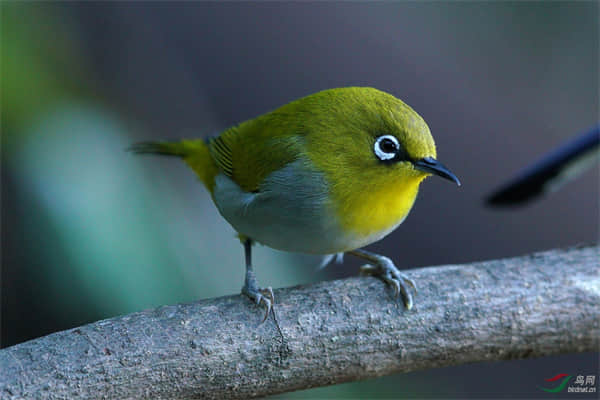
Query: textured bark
x=346 y=330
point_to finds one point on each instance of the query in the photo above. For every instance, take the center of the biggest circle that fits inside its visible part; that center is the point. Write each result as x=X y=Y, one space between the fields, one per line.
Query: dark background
x=90 y=231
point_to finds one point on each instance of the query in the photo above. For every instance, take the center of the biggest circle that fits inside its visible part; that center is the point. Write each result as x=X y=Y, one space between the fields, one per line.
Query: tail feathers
x=194 y=152
x=162 y=148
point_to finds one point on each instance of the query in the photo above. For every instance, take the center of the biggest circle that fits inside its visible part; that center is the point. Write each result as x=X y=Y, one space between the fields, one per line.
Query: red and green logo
x=563 y=378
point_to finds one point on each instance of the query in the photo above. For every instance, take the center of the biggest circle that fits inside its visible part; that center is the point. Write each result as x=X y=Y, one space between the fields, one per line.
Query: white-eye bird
x=328 y=173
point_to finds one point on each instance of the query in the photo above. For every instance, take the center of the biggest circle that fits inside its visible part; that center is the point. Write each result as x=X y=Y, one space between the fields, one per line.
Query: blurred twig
x=346 y=330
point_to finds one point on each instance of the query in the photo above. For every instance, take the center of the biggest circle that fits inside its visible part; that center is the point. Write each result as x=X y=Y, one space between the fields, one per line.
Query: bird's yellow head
x=374 y=150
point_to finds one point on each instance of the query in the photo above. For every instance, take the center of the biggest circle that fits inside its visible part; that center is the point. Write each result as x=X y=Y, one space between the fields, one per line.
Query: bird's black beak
x=433 y=166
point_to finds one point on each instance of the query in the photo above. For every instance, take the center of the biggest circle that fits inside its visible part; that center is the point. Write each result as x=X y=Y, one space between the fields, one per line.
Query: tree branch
x=331 y=332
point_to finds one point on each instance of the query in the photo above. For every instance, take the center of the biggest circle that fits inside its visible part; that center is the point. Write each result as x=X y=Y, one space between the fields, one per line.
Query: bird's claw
x=387 y=271
x=264 y=297
x=268 y=302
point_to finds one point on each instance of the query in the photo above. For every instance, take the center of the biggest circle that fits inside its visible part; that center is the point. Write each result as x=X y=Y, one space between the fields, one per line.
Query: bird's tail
x=195 y=153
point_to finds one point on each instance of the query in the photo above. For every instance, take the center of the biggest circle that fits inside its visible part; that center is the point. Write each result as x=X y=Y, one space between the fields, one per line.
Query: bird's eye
x=386 y=147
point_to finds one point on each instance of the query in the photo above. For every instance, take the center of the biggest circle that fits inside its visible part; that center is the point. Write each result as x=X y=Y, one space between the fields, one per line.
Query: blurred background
x=90 y=231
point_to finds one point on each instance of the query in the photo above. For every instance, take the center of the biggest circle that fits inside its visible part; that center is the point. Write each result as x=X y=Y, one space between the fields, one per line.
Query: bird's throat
x=372 y=212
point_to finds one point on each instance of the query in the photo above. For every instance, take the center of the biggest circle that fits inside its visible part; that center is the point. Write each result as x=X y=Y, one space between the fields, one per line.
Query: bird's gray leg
x=385 y=269
x=251 y=289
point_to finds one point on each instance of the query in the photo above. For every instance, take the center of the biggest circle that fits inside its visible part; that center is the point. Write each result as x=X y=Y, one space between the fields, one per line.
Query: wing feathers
x=221 y=153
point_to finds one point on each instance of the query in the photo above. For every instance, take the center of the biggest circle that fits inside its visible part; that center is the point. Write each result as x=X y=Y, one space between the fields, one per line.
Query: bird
x=326 y=174
x=551 y=171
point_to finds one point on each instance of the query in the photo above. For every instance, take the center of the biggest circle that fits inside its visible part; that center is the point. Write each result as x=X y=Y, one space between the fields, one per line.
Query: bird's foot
x=261 y=296
x=385 y=270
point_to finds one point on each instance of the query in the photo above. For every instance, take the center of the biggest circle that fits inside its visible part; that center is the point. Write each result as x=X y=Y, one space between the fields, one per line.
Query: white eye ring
x=382 y=147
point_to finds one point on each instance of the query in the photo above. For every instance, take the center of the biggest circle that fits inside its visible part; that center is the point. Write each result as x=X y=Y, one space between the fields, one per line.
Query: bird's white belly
x=291 y=212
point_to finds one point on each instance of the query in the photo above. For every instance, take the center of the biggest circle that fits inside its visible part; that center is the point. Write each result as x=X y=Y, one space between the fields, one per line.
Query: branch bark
x=331 y=332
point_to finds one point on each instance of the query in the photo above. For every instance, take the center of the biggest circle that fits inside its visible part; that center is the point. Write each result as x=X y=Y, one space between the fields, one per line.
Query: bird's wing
x=249 y=152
